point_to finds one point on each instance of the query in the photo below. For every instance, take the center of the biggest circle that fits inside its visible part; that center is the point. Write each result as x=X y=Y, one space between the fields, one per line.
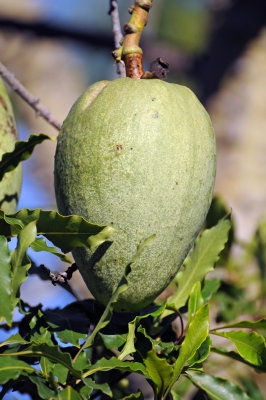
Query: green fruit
x=11 y=183
x=138 y=155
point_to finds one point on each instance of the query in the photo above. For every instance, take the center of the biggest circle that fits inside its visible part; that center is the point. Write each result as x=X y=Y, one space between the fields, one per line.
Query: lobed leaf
x=217 y=388
x=201 y=261
x=21 y=152
x=6 y=306
x=250 y=345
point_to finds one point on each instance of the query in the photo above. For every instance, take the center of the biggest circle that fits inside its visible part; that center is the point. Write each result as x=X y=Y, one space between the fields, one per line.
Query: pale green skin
x=10 y=185
x=138 y=155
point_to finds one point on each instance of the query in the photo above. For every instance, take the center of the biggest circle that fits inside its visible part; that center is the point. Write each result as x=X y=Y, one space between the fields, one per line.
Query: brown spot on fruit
x=3 y=103
x=119 y=148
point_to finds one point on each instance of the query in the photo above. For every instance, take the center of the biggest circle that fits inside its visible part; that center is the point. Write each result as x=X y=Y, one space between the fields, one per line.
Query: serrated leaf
x=11 y=368
x=40 y=244
x=113 y=363
x=21 y=152
x=68 y=336
x=237 y=357
x=113 y=341
x=196 y=334
x=65 y=232
x=42 y=388
x=201 y=353
x=133 y=396
x=20 y=262
x=43 y=337
x=68 y=394
x=6 y=306
x=259 y=324
x=103 y=387
x=217 y=388
x=201 y=261
x=195 y=301
x=250 y=345
x=14 y=339
x=210 y=287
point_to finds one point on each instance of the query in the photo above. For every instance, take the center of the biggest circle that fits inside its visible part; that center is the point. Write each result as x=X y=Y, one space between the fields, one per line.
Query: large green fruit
x=138 y=155
x=11 y=182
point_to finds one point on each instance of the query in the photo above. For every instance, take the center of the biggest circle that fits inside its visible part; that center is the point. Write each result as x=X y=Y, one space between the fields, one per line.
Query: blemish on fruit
x=119 y=148
x=153 y=99
x=155 y=115
x=3 y=103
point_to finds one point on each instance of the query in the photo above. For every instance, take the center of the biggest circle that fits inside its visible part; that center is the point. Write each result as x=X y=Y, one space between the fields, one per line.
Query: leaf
x=19 y=260
x=68 y=394
x=210 y=287
x=103 y=387
x=202 y=259
x=259 y=324
x=6 y=306
x=133 y=396
x=65 y=232
x=14 y=339
x=237 y=357
x=175 y=395
x=195 y=301
x=42 y=387
x=68 y=336
x=202 y=352
x=11 y=368
x=21 y=152
x=40 y=244
x=113 y=341
x=250 y=345
x=252 y=389
x=60 y=372
x=196 y=334
x=159 y=370
x=105 y=364
x=217 y=388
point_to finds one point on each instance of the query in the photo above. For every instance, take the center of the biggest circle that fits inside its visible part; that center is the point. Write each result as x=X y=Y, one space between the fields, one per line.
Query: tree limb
x=114 y=13
x=34 y=102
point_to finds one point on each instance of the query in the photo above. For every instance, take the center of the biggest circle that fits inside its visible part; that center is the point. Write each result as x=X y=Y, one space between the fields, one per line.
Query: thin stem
x=34 y=102
x=114 y=13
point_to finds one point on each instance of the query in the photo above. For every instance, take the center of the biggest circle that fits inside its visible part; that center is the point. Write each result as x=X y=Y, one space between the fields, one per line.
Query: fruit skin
x=138 y=155
x=10 y=185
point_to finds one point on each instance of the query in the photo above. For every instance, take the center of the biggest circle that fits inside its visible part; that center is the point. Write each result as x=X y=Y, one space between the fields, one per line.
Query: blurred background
x=57 y=48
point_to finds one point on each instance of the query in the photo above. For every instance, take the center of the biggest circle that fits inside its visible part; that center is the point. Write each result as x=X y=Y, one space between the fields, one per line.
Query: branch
x=131 y=53
x=117 y=34
x=28 y=97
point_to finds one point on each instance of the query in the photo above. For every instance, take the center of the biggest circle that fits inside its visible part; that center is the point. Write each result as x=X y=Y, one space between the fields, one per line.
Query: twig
x=34 y=102
x=117 y=34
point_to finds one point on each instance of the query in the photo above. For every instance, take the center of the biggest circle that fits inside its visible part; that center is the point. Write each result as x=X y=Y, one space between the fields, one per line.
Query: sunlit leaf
x=201 y=260
x=202 y=352
x=133 y=396
x=259 y=324
x=105 y=364
x=40 y=244
x=14 y=339
x=11 y=368
x=65 y=232
x=250 y=345
x=68 y=336
x=21 y=152
x=235 y=356
x=195 y=301
x=68 y=394
x=217 y=388
x=6 y=305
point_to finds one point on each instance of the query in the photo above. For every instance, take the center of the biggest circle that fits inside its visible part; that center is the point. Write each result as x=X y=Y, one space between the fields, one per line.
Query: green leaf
x=42 y=387
x=250 y=345
x=217 y=388
x=202 y=352
x=68 y=336
x=252 y=389
x=40 y=244
x=201 y=260
x=237 y=357
x=6 y=305
x=175 y=395
x=195 y=301
x=197 y=333
x=113 y=341
x=21 y=152
x=133 y=396
x=14 y=339
x=210 y=287
x=60 y=372
x=11 y=368
x=105 y=364
x=20 y=262
x=68 y=394
x=103 y=387
x=65 y=232
x=259 y=324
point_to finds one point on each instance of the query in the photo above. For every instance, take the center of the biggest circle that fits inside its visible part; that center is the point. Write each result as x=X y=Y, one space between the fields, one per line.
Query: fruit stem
x=130 y=51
